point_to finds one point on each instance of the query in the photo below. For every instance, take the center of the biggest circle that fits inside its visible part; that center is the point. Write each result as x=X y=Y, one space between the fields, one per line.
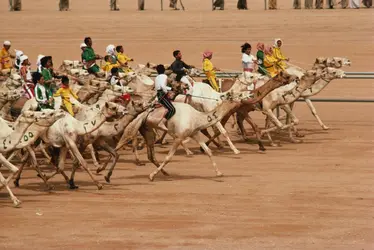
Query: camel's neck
x=262 y=91
x=31 y=134
x=2 y=103
x=295 y=93
x=90 y=125
x=205 y=120
x=9 y=142
x=316 y=87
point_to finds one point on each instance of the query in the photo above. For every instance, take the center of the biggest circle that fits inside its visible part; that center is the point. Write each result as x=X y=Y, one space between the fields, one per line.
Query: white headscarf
x=7 y=43
x=111 y=50
x=83 y=45
x=38 y=63
x=276 y=42
x=22 y=59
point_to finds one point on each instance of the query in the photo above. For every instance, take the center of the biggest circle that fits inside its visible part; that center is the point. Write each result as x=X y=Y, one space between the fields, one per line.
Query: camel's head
x=27 y=116
x=47 y=117
x=334 y=62
x=113 y=110
x=78 y=72
x=338 y=62
x=332 y=73
x=5 y=72
x=14 y=81
x=247 y=79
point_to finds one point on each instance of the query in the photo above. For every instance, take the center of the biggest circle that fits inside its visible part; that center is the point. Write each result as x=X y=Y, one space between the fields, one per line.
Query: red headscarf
x=207 y=54
x=260 y=46
x=126 y=97
x=268 y=50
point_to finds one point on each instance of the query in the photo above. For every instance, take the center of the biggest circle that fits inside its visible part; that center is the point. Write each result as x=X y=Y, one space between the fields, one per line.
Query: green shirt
x=89 y=54
x=46 y=74
x=260 y=58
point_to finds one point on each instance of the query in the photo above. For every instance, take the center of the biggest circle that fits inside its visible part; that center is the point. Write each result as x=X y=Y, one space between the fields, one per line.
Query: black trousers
x=165 y=101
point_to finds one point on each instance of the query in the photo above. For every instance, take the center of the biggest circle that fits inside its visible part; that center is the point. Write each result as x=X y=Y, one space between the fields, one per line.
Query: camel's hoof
x=16 y=182
x=99 y=186
x=139 y=163
x=274 y=144
x=165 y=173
x=299 y=135
x=236 y=152
x=296 y=141
x=98 y=170
x=189 y=153
x=261 y=151
x=17 y=203
x=152 y=176
x=325 y=127
x=219 y=174
x=202 y=150
x=72 y=185
x=50 y=187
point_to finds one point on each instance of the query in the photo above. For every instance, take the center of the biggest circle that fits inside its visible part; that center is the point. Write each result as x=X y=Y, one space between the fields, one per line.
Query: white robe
x=354 y=4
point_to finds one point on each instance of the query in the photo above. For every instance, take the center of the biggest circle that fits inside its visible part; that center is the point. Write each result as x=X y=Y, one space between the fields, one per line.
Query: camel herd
x=103 y=121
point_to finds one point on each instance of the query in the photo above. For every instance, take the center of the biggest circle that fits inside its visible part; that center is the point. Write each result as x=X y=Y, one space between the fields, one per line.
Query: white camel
x=64 y=133
x=288 y=94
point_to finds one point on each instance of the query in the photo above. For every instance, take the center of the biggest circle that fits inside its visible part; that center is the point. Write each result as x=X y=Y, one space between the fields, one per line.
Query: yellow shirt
x=5 y=60
x=65 y=94
x=122 y=58
x=108 y=66
x=270 y=65
x=277 y=54
x=208 y=68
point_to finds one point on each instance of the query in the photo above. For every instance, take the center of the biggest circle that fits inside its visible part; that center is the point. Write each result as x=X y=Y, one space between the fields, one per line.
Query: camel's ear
x=106 y=105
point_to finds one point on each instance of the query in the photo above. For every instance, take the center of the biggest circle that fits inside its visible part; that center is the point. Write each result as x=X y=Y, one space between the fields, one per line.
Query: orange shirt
x=5 y=60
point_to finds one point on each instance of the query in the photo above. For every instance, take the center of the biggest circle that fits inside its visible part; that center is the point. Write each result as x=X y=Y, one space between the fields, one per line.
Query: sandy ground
x=318 y=194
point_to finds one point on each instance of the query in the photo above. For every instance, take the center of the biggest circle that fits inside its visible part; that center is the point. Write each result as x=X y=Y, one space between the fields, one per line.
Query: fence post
x=162 y=5
x=265 y=4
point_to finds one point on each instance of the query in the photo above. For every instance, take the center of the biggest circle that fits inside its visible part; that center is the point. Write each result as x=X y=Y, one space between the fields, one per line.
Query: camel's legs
x=294 y=120
x=74 y=149
x=34 y=163
x=202 y=144
x=42 y=148
x=135 y=151
x=188 y=151
x=174 y=148
x=3 y=181
x=161 y=139
x=239 y=119
x=93 y=156
x=13 y=169
x=211 y=139
x=226 y=135
x=18 y=175
x=314 y=112
x=115 y=156
x=257 y=131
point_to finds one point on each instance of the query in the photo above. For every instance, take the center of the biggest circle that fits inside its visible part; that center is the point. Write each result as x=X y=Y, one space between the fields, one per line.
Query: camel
x=45 y=120
x=187 y=122
x=109 y=130
x=205 y=99
x=263 y=88
x=63 y=134
x=290 y=94
x=320 y=64
x=10 y=139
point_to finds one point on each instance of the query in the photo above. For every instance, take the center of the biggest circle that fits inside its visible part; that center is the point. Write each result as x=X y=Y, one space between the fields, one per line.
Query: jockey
x=270 y=62
x=180 y=68
x=209 y=70
x=65 y=92
x=162 y=92
x=89 y=57
x=18 y=56
x=123 y=59
x=26 y=76
x=42 y=94
x=277 y=53
x=6 y=56
x=248 y=61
